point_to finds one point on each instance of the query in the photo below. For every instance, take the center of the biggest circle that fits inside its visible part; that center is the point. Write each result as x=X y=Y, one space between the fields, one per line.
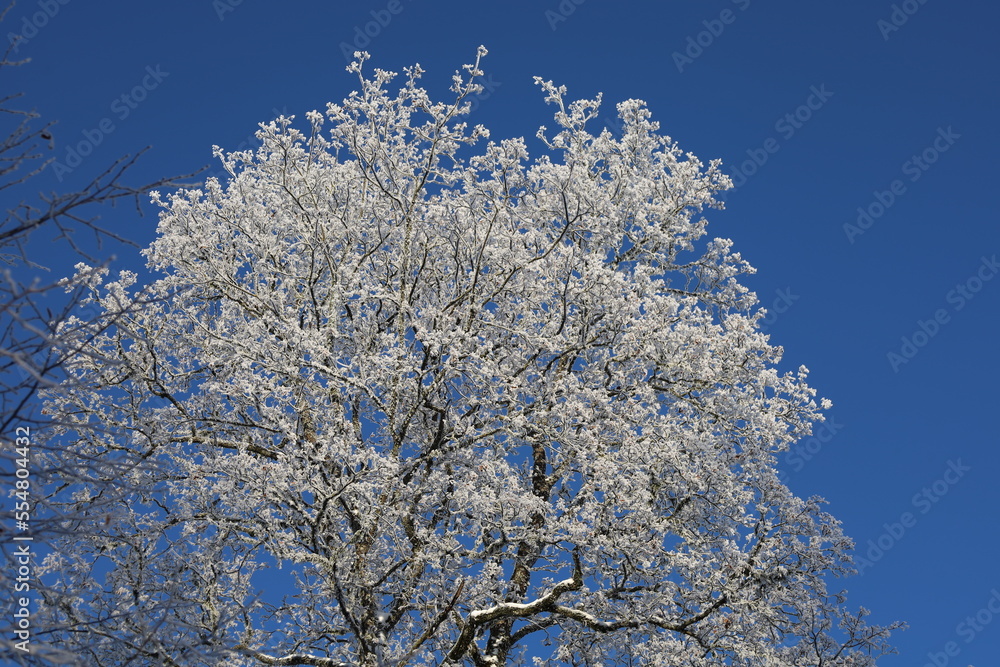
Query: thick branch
x=291 y=659
x=514 y=610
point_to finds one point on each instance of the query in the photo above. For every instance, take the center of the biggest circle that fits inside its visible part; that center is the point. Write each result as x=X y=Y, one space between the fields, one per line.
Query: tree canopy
x=395 y=399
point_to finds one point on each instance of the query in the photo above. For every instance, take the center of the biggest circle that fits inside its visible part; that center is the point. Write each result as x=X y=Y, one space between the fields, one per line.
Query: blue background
x=721 y=84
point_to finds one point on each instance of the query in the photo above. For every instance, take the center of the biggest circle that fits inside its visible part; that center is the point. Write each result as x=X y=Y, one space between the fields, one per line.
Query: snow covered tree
x=398 y=402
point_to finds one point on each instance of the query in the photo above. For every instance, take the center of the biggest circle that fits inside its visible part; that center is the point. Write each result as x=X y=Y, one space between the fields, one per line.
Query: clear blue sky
x=821 y=108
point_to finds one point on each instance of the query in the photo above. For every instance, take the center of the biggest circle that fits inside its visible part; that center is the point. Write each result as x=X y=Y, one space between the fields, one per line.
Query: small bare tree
x=42 y=321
